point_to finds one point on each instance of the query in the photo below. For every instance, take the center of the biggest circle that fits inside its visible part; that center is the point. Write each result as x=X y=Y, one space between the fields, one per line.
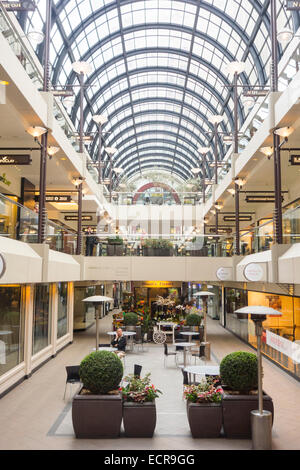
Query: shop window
x=11 y=328
x=42 y=318
x=62 y=309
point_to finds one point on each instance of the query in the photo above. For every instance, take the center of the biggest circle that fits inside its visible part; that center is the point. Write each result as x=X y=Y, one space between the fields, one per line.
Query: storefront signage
x=255 y=93
x=58 y=198
x=158 y=284
x=224 y=274
x=75 y=217
x=2 y=266
x=292 y=4
x=242 y=218
x=24 y=5
x=15 y=160
x=262 y=198
x=254 y=272
x=63 y=93
x=283 y=345
x=295 y=160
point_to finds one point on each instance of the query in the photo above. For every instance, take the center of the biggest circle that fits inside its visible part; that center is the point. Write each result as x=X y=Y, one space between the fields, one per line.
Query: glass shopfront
x=11 y=328
x=84 y=312
x=62 y=309
x=281 y=336
x=41 y=318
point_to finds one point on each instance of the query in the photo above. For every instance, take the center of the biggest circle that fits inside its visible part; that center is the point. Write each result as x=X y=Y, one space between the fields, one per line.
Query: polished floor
x=35 y=416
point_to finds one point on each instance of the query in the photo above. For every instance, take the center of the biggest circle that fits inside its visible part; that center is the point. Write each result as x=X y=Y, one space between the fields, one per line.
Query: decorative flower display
x=139 y=390
x=205 y=392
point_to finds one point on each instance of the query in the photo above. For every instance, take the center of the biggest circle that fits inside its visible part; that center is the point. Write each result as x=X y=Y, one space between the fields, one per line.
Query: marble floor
x=34 y=415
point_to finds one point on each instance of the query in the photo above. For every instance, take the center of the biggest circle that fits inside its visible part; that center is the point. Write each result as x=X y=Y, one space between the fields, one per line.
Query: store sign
x=58 y=198
x=254 y=272
x=292 y=4
x=75 y=217
x=2 y=266
x=283 y=345
x=256 y=93
x=262 y=198
x=158 y=284
x=15 y=160
x=63 y=93
x=24 y=5
x=295 y=160
x=224 y=274
x=242 y=218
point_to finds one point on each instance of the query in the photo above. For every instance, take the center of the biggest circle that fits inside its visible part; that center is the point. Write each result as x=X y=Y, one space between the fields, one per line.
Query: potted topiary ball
x=238 y=372
x=130 y=320
x=194 y=320
x=97 y=408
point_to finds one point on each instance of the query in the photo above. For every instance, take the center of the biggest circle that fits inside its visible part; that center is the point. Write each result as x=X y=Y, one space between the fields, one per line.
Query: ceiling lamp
x=100 y=119
x=231 y=191
x=212 y=211
x=284 y=131
x=284 y=36
x=268 y=151
x=240 y=181
x=118 y=171
x=36 y=37
x=36 y=131
x=203 y=150
x=215 y=118
x=195 y=170
x=77 y=180
x=235 y=67
x=110 y=150
x=248 y=101
x=82 y=67
x=218 y=206
x=68 y=101
x=52 y=151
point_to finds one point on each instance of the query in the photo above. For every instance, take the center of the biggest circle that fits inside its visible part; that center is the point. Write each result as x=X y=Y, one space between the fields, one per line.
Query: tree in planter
x=193 y=319
x=130 y=319
x=97 y=408
x=204 y=409
x=238 y=372
x=139 y=410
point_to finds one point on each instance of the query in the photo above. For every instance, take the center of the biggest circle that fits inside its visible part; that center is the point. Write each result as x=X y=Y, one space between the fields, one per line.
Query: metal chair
x=200 y=353
x=72 y=376
x=138 y=338
x=104 y=345
x=169 y=353
x=137 y=370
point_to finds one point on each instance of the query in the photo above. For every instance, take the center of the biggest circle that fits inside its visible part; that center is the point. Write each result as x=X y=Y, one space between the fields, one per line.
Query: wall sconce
x=240 y=182
x=36 y=131
x=284 y=132
x=218 y=206
x=268 y=151
x=52 y=151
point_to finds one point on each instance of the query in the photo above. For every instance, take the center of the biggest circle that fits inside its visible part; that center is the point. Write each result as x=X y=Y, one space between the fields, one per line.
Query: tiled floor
x=34 y=415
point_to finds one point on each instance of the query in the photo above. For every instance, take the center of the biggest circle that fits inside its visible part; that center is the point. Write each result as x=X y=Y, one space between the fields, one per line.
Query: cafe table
x=202 y=371
x=130 y=334
x=188 y=333
x=186 y=345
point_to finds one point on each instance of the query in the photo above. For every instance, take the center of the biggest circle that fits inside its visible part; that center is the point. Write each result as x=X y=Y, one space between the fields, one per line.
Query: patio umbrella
x=96 y=300
x=261 y=420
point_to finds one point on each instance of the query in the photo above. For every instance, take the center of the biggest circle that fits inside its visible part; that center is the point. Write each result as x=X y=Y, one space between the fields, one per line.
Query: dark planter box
x=139 y=419
x=115 y=250
x=237 y=413
x=157 y=251
x=97 y=416
x=205 y=419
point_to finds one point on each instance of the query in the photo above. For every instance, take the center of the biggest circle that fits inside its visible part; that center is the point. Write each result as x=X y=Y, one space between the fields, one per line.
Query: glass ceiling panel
x=161 y=58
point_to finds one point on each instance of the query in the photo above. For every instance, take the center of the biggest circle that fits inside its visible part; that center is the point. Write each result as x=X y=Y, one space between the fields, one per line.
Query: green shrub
x=193 y=319
x=101 y=372
x=130 y=319
x=238 y=371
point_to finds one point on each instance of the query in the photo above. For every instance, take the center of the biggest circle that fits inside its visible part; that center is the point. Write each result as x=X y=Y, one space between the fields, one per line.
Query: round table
x=186 y=345
x=202 y=370
x=188 y=333
x=106 y=348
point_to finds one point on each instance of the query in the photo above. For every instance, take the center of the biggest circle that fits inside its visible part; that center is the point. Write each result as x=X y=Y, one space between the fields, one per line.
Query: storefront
x=214 y=302
x=281 y=337
x=148 y=292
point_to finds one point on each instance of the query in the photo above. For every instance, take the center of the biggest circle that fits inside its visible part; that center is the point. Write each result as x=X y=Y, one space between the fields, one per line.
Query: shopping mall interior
x=149 y=192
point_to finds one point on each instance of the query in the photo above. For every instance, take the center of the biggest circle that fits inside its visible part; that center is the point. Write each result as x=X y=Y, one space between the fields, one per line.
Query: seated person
x=119 y=341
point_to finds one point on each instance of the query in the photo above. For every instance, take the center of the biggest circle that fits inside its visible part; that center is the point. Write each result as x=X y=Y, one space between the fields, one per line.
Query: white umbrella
x=261 y=420
x=97 y=300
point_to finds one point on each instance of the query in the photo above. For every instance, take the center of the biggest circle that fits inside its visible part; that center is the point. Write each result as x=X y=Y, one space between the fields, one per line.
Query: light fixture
x=110 y=150
x=195 y=170
x=248 y=101
x=118 y=171
x=52 y=150
x=284 y=36
x=284 y=131
x=100 y=119
x=231 y=191
x=36 y=131
x=77 y=180
x=219 y=164
x=82 y=67
x=203 y=150
x=68 y=101
x=218 y=206
x=240 y=181
x=106 y=181
x=213 y=211
x=4 y=82
x=235 y=67
x=35 y=37
x=268 y=151
x=215 y=118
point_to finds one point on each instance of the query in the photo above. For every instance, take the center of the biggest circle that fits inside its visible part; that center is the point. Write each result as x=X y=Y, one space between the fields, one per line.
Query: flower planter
x=139 y=419
x=115 y=249
x=205 y=419
x=237 y=413
x=97 y=416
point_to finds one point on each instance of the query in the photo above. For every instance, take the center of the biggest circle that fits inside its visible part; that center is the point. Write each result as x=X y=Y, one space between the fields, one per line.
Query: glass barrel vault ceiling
x=159 y=70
